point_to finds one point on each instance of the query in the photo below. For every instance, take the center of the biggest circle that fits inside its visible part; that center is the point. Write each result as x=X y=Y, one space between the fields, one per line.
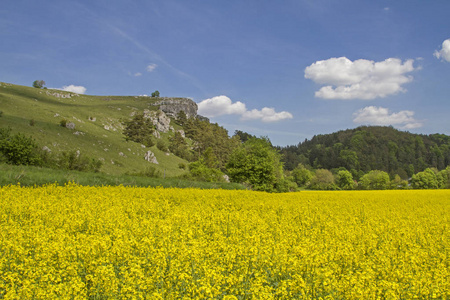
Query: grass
x=35 y=176
x=101 y=139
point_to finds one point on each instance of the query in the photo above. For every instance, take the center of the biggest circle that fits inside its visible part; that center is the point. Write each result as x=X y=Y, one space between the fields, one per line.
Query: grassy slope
x=20 y=104
x=31 y=176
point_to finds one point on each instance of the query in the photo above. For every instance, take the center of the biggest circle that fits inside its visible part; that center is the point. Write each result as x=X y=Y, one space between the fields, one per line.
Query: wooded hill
x=368 y=148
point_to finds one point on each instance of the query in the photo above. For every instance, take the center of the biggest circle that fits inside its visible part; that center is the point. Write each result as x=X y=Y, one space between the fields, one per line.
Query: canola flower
x=78 y=242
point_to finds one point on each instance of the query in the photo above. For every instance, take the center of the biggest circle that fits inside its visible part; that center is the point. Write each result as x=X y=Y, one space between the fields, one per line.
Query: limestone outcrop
x=172 y=106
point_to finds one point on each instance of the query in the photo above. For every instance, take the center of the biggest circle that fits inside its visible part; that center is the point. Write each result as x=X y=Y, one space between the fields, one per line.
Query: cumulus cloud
x=222 y=105
x=137 y=74
x=444 y=53
x=74 y=89
x=372 y=115
x=359 y=79
x=151 y=67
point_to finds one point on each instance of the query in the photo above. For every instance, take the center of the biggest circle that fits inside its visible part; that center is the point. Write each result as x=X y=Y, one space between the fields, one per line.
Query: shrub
x=63 y=123
x=161 y=145
x=18 y=149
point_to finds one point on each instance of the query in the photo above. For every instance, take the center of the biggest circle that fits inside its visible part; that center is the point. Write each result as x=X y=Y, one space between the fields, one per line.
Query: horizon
x=287 y=70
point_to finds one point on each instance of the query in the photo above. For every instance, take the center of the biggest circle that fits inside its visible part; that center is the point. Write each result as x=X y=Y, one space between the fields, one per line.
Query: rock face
x=150 y=157
x=159 y=119
x=172 y=106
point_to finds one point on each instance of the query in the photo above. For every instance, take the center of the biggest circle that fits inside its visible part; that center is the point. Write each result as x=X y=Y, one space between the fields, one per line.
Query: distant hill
x=371 y=148
x=98 y=125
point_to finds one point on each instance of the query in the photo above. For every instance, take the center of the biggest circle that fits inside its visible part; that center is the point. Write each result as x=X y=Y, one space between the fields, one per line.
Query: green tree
x=301 y=175
x=181 y=118
x=345 y=180
x=256 y=163
x=425 y=180
x=139 y=130
x=444 y=177
x=39 y=84
x=323 y=180
x=179 y=147
x=155 y=94
x=375 y=180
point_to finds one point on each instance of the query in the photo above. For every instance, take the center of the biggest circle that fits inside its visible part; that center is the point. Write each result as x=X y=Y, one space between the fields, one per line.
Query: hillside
x=372 y=148
x=98 y=125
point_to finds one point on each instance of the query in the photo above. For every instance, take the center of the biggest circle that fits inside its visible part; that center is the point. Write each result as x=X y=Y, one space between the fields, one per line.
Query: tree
x=256 y=163
x=179 y=147
x=375 y=180
x=302 y=175
x=139 y=130
x=425 y=180
x=444 y=178
x=323 y=180
x=345 y=180
x=39 y=84
x=155 y=94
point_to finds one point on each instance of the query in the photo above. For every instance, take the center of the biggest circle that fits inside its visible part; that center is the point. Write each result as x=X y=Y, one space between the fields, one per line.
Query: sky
x=287 y=69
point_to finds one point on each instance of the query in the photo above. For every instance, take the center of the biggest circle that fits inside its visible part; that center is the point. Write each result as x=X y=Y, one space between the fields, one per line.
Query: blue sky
x=283 y=69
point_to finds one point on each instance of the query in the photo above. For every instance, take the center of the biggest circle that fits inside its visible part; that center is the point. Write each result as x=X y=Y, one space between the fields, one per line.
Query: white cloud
x=222 y=105
x=444 y=53
x=74 y=89
x=372 y=115
x=266 y=114
x=359 y=79
x=137 y=74
x=151 y=67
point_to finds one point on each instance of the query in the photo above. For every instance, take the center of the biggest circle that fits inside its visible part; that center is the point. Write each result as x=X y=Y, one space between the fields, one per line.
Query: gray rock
x=172 y=106
x=150 y=157
x=47 y=149
x=70 y=125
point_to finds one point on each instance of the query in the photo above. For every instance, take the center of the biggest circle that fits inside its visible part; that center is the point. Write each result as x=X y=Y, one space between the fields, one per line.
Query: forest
x=367 y=148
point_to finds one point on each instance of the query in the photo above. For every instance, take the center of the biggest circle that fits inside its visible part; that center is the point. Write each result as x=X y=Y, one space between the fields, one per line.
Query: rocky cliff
x=172 y=106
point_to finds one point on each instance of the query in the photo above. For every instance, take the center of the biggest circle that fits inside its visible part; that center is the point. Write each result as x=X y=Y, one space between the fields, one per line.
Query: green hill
x=371 y=148
x=98 y=122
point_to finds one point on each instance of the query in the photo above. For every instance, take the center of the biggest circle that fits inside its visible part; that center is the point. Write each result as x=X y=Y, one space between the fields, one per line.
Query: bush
x=63 y=123
x=201 y=172
x=18 y=149
x=71 y=160
x=161 y=145
x=150 y=172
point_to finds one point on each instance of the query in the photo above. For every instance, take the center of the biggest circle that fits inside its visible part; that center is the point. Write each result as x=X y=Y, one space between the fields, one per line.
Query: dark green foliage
x=32 y=122
x=208 y=135
x=369 y=148
x=181 y=118
x=243 y=136
x=179 y=147
x=1 y=113
x=161 y=145
x=63 y=123
x=256 y=163
x=155 y=94
x=39 y=84
x=181 y=166
x=18 y=149
x=139 y=130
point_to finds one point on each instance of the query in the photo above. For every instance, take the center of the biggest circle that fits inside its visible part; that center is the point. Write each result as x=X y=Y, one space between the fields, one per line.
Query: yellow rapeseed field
x=77 y=242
